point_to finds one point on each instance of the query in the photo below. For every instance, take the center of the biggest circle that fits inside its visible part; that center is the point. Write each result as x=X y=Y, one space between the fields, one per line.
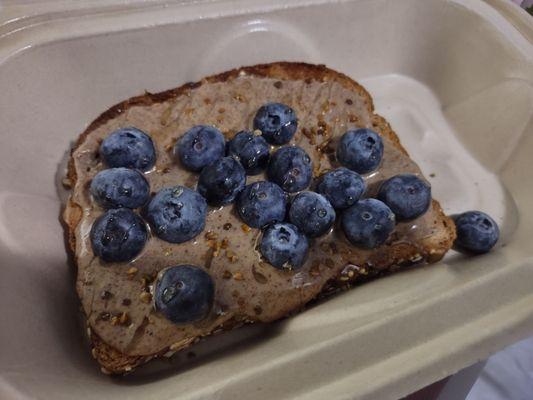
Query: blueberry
x=342 y=187
x=284 y=246
x=200 y=146
x=277 y=122
x=129 y=148
x=222 y=181
x=184 y=293
x=177 y=214
x=252 y=151
x=312 y=213
x=368 y=223
x=290 y=167
x=476 y=232
x=118 y=235
x=262 y=203
x=360 y=150
x=120 y=187
x=407 y=195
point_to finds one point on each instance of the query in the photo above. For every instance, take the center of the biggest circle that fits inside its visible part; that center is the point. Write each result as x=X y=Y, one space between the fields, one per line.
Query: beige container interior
x=454 y=78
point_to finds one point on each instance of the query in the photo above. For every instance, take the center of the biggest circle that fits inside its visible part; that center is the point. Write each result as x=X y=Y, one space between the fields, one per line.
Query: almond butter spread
x=116 y=296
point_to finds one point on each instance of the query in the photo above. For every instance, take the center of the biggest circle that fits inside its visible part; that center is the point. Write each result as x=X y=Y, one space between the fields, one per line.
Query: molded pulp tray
x=454 y=78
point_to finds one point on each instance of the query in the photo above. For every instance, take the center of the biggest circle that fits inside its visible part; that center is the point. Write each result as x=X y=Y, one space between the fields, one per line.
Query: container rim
x=30 y=23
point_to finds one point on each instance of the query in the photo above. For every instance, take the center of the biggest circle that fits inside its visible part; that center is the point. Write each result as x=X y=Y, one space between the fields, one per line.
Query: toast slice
x=125 y=330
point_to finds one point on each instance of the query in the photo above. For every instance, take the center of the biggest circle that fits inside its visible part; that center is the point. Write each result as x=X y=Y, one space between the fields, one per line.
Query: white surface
x=431 y=67
x=508 y=375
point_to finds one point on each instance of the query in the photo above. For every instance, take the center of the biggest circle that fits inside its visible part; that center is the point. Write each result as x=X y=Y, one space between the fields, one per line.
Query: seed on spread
x=230 y=255
x=220 y=119
x=104 y=316
x=114 y=320
x=126 y=302
x=213 y=244
x=226 y=275
x=258 y=132
x=224 y=243
x=211 y=235
x=167 y=251
x=323 y=145
x=221 y=110
x=132 y=271
x=145 y=297
x=353 y=118
x=106 y=295
x=258 y=310
x=239 y=97
x=124 y=318
x=245 y=228
x=227 y=226
x=238 y=276
x=165 y=170
x=278 y=84
x=207 y=101
x=165 y=116
x=189 y=111
x=309 y=134
x=349 y=102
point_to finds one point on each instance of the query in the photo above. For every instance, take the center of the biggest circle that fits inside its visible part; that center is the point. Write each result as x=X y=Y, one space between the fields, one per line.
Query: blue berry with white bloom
x=368 y=223
x=291 y=168
x=184 y=293
x=407 y=195
x=262 y=203
x=118 y=235
x=221 y=181
x=277 y=122
x=177 y=214
x=342 y=187
x=312 y=213
x=477 y=232
x=130 y=148
x=200 y=146
x=251 y=150
x=361 y=150
x=284 y=246
x=120 y=187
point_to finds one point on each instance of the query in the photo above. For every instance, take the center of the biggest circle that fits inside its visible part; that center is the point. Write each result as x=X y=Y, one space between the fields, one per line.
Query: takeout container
x=454 y=78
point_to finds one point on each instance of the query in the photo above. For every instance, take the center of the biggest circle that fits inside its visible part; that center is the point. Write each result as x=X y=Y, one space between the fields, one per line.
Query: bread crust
x=431 y=250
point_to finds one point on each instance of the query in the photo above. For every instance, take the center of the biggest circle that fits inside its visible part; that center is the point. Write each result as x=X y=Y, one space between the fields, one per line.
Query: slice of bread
x=125 y=329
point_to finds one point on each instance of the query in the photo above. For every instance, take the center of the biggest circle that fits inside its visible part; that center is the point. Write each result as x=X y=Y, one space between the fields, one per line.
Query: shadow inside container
x=218 y=347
